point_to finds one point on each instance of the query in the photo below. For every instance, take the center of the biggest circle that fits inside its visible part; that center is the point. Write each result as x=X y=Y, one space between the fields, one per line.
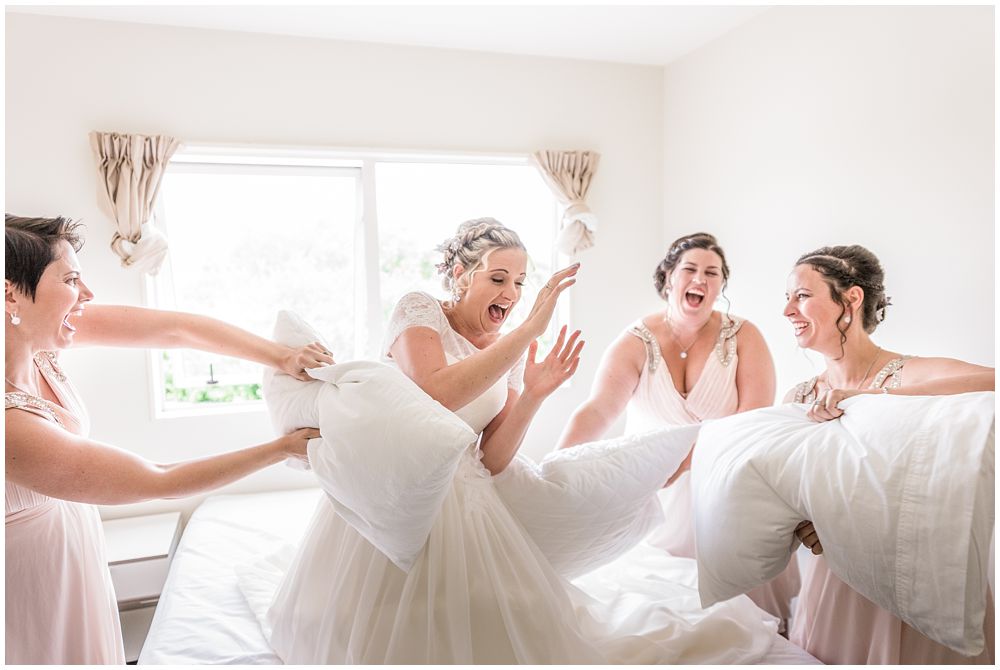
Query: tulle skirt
x=481 y=592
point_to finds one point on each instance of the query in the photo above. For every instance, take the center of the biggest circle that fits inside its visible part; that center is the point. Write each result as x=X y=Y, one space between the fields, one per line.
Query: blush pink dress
x=61 y=606
x=838 y=625
x=657 y=403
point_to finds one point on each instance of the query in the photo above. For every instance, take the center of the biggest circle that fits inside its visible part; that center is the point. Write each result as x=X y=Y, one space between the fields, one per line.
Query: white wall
x=803 y=127
x=66 y=77
x=809 y=126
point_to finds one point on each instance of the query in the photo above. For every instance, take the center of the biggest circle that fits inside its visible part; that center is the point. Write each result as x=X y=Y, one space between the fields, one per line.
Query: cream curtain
x=568 y=174
x=130 y=169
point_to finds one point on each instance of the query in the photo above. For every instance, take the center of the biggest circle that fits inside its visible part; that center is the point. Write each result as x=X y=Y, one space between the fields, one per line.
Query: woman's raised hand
x=545 y=304
x=543 y=377
x=299 y=359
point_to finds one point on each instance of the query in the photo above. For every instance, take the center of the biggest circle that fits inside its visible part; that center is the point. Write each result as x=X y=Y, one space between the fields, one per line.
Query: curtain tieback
x=577 y=210
x=147 y=254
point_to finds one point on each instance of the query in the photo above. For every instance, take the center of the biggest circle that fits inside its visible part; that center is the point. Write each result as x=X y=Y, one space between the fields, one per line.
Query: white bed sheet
x=202 y=616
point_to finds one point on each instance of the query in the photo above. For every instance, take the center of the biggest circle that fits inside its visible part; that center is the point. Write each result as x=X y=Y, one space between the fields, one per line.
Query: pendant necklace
x=684 y=350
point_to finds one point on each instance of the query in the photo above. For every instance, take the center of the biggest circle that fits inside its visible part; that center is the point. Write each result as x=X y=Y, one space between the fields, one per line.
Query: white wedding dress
x=481 y=591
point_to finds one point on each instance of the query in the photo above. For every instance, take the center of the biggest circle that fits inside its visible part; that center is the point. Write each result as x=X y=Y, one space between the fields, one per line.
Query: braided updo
x=470 y=246
x=846 y=266
x=673 y=257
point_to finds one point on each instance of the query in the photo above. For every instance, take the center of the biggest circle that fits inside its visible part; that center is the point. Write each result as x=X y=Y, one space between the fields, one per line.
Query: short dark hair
x=677 y=249
x=31 y=246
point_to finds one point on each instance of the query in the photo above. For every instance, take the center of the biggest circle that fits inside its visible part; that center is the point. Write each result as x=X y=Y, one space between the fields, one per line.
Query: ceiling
x=639 y=34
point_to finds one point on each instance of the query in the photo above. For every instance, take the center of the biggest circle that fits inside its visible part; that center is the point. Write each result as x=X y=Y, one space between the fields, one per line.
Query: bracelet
x=885 y=390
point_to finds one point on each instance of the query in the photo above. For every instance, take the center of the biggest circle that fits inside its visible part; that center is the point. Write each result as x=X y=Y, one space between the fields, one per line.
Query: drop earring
x=15 y=319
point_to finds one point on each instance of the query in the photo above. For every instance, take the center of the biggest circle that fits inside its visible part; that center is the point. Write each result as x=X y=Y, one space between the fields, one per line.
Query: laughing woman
x=835 y=301
x=60 y=603
x=464 y=601
x=682 y=366
x=481 y=591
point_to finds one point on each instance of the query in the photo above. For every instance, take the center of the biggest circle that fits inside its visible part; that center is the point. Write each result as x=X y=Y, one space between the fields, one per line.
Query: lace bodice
x=889 y=377
x=421 y=310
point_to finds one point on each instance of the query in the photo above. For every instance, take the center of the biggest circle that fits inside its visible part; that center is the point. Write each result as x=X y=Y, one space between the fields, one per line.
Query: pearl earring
x=14 y=319
x=847 y=319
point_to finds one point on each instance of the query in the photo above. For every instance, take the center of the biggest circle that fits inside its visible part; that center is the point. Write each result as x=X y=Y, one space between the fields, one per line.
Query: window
x=254 y=234
x=245 y=241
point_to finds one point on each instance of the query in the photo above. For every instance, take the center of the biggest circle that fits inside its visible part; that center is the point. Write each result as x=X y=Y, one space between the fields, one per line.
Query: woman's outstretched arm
x=615 y=383
x=126 y=326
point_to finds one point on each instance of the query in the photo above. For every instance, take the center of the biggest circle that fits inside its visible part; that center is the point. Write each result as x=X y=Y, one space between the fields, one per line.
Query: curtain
x=130 y=169
x=568 y=174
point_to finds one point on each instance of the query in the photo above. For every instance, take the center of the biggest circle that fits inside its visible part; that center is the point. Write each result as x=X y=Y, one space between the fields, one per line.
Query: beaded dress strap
x=48 y=361
x=653 y=355
x=889 y=377
x=725 y=346
x=33 y=404
x=806 y=391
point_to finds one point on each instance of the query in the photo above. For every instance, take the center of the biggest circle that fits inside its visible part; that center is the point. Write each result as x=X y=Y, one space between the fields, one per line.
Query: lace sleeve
x=413 y=310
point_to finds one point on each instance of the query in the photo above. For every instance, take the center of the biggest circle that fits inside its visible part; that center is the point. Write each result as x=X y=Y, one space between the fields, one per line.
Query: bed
x=202 y=616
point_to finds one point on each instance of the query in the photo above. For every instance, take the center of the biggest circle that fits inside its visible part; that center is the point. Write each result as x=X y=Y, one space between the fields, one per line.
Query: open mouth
x=498 y=312
x=694 y=298
x=75 y=314
x=800 y=327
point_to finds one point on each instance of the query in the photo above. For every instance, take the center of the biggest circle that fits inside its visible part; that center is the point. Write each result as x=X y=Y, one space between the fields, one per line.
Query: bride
x=481 y=591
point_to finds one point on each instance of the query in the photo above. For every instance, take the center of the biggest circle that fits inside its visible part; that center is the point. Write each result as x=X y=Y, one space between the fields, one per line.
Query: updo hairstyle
x=470 y=246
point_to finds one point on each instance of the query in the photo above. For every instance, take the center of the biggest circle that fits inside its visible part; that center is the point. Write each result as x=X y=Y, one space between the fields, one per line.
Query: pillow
x=900 y=489
x=586 y=505
x=291 y=403
x=387 y=456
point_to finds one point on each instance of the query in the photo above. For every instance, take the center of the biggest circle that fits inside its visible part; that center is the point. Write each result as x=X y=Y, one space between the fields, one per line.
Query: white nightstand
x=139 y=553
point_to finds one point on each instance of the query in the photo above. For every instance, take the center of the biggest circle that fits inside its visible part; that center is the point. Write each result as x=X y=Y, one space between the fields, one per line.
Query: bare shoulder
x=28 y=434
x=749 y=332
x=751 y=340
x=654 y=323
x=630 y=345
x=921 y=369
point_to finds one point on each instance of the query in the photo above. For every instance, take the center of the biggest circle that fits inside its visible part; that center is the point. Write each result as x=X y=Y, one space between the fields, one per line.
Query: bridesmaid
x=836 y=299
x=61 y=606
x=682 y=366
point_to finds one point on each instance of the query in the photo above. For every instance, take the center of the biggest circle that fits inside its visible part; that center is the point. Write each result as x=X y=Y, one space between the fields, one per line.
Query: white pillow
x=291 y=403
x=900 y=490
x=586 y=505
x=388 y=454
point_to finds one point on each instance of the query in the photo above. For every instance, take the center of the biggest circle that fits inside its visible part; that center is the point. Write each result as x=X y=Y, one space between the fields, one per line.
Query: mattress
x=202 y=616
